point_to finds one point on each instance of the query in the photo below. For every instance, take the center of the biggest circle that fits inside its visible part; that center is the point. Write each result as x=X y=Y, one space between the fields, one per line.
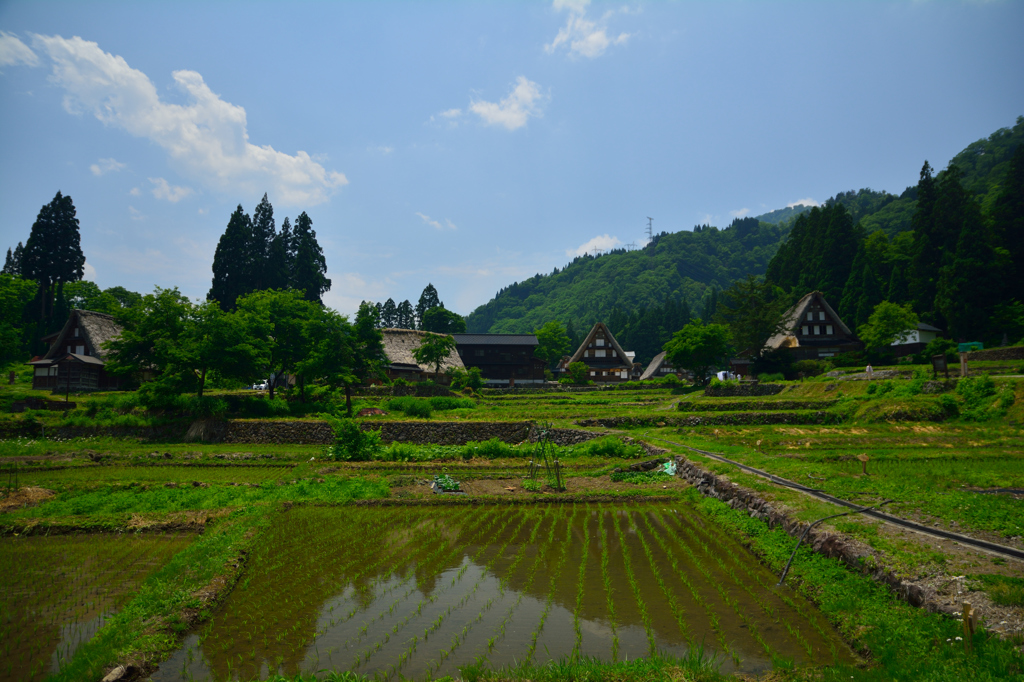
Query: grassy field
x=952 y=459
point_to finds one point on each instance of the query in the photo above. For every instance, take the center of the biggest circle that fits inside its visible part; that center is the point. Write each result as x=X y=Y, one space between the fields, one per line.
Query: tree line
x=429 y=314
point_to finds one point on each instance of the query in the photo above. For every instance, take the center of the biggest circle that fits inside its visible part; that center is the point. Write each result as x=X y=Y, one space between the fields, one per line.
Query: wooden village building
x=660 y=367
x=813 y=330
x=399 y=345
x=604 y=356
x=503 y=359
x=76 y=359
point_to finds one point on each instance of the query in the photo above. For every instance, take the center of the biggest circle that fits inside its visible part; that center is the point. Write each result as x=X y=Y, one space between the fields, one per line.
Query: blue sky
x=473 y=144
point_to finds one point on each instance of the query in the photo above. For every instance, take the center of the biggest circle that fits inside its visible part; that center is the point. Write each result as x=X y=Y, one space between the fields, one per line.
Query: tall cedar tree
x=310 y=267
x=1008 y=224
x=259 y=253
x=12 y=266
x=405 y=316
x=280 y=257
x=231 y=275
x=965 y=287
x=388 y=314
x=428 y=300
x=53 y=253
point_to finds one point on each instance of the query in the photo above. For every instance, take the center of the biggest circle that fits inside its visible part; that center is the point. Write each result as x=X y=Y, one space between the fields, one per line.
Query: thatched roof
x=652 y=369
x=621 y=359
x=792 y=318
x=97 y=329
x=399 y=345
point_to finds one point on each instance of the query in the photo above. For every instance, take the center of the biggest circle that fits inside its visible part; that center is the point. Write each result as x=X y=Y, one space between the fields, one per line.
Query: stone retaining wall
x=746 y=390
x=560 y=388
x=449 y=433
x=760 y=405
x=283 y=432
x=1006 y=353
x=831 y=545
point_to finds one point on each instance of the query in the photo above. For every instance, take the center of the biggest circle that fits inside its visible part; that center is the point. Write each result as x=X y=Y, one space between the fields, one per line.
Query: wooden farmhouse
x=604 y=356
x=503 y=359
x=399 y=345
x=75 y=361
x=813 y=330
x=915 y=340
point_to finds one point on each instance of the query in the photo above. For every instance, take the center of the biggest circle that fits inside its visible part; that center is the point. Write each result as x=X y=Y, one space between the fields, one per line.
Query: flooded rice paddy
x=422 y=591
x=58 y=591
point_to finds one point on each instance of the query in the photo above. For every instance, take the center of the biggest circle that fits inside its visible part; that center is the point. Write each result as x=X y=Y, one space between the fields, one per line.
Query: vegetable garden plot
x=58 y=591
x=421 y=591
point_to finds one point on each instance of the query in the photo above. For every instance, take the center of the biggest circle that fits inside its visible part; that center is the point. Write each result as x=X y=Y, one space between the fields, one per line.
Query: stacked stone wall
x=743 y=390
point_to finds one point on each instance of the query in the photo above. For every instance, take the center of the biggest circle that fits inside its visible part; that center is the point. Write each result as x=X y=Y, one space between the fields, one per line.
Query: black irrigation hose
x=991 y=547
x=808 y=530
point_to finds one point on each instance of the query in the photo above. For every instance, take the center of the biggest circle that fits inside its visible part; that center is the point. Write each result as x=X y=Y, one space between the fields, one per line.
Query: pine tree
x=231 y=277
x=53 y=253
x=428 y=300
x=926 y=256
x=12 y=265
x=838 y=244
x=871 y=295
x=310 y=266
x=854 y=289
x=258 y=258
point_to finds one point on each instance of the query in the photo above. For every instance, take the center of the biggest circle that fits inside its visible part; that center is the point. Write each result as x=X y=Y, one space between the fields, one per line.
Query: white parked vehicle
x=260 y=386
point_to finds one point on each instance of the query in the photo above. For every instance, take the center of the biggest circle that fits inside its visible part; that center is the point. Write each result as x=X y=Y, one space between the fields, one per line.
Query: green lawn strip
x=904 y=642
x=147 y=628
x=113 y=500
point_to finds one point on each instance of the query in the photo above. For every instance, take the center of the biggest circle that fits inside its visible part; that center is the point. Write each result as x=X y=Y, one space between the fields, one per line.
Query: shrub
x=609 y=446
x=491 y=449
x=399 y=452
x=352 y=444
x=418 y=408
x=975 y=389
x=466 y=378
x=441 y=403
x=728 y=382
x=770 y=378
x=812 y=368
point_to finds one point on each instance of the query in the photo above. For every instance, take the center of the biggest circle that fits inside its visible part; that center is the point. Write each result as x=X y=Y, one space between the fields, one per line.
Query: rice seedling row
x=436 y=588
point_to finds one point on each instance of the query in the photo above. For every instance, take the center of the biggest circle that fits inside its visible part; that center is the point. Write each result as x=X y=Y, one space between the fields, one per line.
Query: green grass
x=1003 y=590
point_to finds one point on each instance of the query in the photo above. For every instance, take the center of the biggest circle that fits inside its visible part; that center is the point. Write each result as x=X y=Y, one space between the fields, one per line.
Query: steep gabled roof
x=653 y=368
x=97 y=329
x=792 y=317
x=600 y=326
x=399 y=345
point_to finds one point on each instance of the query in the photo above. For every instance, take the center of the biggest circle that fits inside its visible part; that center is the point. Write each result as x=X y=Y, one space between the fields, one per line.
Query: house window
x=821 y=317
x=817 y=329
x=804 y=329
x=593 y=373
x=810 y=317
x=478 y=353
x=828 y=329
x=42 y=371
x=53 y=370
x=76 y=331
x=622 y=375
x=600 y=342
x=601 y=353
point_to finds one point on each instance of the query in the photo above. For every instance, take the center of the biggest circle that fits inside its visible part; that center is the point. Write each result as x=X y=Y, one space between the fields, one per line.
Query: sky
x=473 y=144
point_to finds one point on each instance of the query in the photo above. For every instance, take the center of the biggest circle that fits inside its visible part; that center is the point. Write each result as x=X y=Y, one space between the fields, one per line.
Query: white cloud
x=135 y=192
x=451 y=113
x=803 y=202
x=602 y=242
x=436 y=224
x=13 y=51
x=582 y=36
x=89 y=272
x=740 y=213
x=104 y=166
x=383 y=149
x=513 y=111
x=135 y=213
x=165 y=190
x=206 y=138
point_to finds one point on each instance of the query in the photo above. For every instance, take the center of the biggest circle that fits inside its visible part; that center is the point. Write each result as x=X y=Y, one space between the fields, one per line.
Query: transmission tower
x=650 y=228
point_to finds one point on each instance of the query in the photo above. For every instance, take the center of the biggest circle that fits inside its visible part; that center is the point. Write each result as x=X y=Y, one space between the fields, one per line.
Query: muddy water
x=423 y=591
x=58 y=591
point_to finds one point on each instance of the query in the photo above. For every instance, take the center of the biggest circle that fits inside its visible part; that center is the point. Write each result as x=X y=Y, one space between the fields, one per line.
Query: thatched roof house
x=812 y=330
x=77 y=355
x=399 y=345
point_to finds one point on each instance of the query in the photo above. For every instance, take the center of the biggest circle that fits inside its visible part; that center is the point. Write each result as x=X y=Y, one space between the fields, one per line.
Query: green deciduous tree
x=231 y=344
x=699 y=348
x=149 y=334
x=15 y=295
x=552 y=342
x=433 y=349
x=578 y=372
x=888 y=323
x=284 y=315
x=443 y=321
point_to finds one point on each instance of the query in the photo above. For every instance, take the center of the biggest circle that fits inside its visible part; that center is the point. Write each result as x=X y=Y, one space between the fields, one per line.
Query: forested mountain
x=643 y=293
x=681 y=266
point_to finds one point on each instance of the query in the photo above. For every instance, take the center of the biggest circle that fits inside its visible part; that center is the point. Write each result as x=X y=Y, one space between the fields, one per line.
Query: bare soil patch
x=24 y=497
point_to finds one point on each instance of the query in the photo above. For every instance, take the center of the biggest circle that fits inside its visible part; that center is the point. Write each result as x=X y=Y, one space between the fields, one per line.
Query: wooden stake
x=969 y=617
x=863 y=463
